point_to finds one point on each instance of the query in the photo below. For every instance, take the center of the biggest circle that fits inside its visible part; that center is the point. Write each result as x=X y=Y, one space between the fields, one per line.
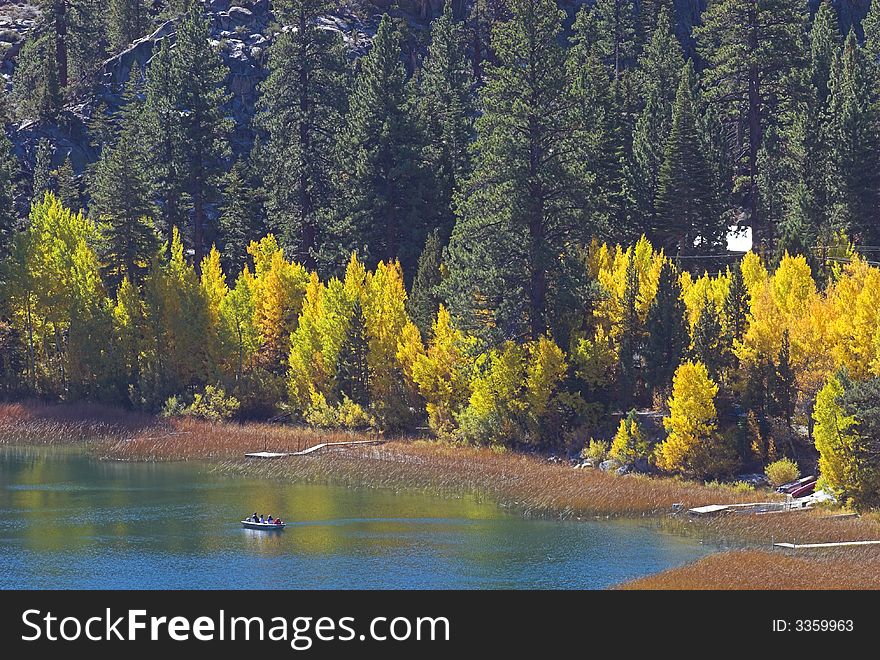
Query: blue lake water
x=69 y=521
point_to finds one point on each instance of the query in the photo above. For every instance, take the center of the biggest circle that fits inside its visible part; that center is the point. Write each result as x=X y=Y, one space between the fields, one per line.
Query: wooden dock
x=839 y=544
x=325 y=445
x=267 y=454
x=311 y=450
x=754 y=508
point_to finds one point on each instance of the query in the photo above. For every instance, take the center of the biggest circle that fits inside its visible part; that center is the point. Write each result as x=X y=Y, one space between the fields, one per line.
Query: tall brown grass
x=528 y=483
x=760 y=569
x=134 y=436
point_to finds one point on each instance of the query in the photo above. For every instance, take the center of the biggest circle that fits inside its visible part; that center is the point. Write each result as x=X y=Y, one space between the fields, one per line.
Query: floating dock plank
x=756 y=508
x=325 y=445
x=311 y=450
x=709 y=510
x=840 y=544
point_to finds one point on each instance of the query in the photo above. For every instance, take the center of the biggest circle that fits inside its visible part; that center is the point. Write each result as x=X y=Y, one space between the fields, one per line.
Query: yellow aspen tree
x=306 y=369
x=836 y=437
x=693 y=446
x=545 y=368
x=609 y=268
x=855 y=299
x=57 y=297
x=214 y=290
x=512 y=393
x=779 y=303
x=706 y=287
x=237 y=320
x=441 y=374
x=277 y=292
x=384 y=312
x=187 y=319
x=129 y=325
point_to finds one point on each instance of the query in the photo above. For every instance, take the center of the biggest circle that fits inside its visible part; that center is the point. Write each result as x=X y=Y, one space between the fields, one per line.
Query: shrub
x=782 y=471
x=213 y=404
x=629 y=442
x=596 y=452
x=346 y=414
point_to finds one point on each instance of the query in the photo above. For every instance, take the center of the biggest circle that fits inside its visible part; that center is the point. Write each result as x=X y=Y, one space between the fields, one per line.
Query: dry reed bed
x=817 y=526
x=529 y=483
x=759 y=569
x=124 y=435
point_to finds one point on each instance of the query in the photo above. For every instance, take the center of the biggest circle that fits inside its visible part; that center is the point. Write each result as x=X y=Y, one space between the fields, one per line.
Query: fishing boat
x=264 y=526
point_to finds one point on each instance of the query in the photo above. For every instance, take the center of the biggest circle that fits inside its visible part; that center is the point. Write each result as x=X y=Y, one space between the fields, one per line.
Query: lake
x=69 y=521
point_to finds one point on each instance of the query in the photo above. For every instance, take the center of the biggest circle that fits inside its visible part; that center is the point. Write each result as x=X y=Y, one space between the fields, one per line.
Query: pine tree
x=520 y=216
x=482 y=16
x=6 y=111
x=752 y=47
x=446 y=112
x=686 y=219
x=77 y=30
x=128 y=20
x=658 y=76
x=68 y=186
x=8 y=217
x=707 y=346
x=825 y=44
x=102 y=130
x=667 y=330
x=854 y=133
x=424 y=300
x=381 y=180
x=783 y=389
x=600 y=125
x=122 y=199
x=805 y=182
x=204 y=126
x=618 y=29
x=352 y=371
x=302 y=103
x=87 y=39
x=871 y=29
x=240 y=216
x=163 y=138
x=735 y=311
x=55 y=16
x=42 y=177
x=35 y=87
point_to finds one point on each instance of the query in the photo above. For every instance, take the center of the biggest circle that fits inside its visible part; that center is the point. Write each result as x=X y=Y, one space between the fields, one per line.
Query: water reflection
x=69 y=521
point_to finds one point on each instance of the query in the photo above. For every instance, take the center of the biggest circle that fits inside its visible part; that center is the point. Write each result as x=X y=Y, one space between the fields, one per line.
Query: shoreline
x=532 y=485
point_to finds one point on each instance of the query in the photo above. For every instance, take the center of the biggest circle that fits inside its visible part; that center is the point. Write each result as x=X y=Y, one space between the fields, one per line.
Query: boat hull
x=264 y=527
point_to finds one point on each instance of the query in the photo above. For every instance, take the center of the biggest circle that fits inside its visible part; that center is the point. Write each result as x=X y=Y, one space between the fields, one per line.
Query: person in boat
x=269 y=519
x=254 y=517
x=277 y=521
x=261 y=519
